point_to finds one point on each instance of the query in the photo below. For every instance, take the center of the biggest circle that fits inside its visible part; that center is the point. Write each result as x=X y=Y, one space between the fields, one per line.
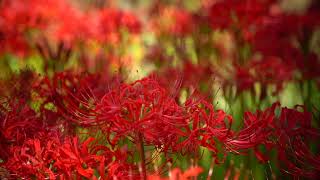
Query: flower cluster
x=159 y=90
x=39 y=144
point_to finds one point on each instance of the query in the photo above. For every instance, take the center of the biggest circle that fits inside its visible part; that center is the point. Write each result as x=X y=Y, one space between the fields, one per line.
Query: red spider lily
x=183 y=23
x=145 y=113
x=10 y=36
x=135 y=124
x=59 y=159
x=111 y=21
x=235 y=75
x=142 y=108
x=18 y=86
x=64 y=93
x=272 y=70
x=68 y=89
x=290 y=133
x=298 y=159
x=242 y=15
x=75 y=26
x=31 y=160
x=258 y=130
x=283 y=28
x=308 y=65
x=123 y=170
x=18 y=121
x=173 y=21
x=202 y=75
x=9 y=40
x=220 y=16
x=276 y=33
x=142 y=112
x=4 y=147
x=59 y=22
x=74 y=158
x=177 y=174
x=261 y=27
x=244 y=79
x=207 y=127
x=131 y=22
x=295 y=136
x=17 y=19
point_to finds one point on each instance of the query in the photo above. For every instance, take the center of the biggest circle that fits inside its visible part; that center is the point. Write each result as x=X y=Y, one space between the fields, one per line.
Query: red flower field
x=210 y=89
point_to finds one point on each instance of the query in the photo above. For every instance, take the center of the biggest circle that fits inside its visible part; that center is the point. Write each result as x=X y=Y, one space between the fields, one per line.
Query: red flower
x=18 y=121
x=238 y=14
x=49 y=157
x=18 y=19
x=32 y=159
x=272 y=70
x=258 y=130
x=207 y=128
x=111 y=21
x=244 y=79
x=177 y=174
x=290 y=134
x=201 y=75
x=142 y=108
x=174 y=21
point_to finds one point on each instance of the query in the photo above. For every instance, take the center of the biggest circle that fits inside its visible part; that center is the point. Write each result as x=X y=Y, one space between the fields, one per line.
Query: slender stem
x=142 y=157
x=141 y=149
x=210 y=173
x=309 y=91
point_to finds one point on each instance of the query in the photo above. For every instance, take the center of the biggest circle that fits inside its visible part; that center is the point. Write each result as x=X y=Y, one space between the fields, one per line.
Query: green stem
x=309 y=92
x=142 y=156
